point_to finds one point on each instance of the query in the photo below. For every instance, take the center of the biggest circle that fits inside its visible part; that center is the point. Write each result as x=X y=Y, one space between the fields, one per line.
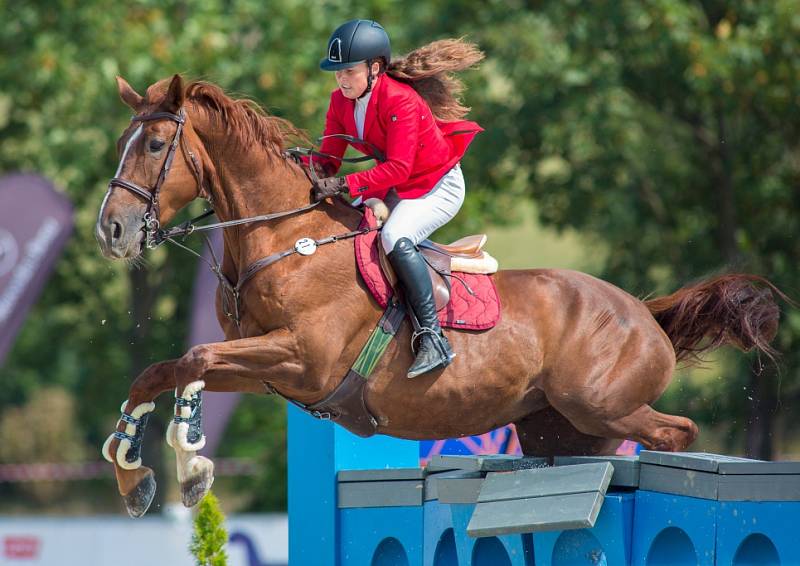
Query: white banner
x=255 y=540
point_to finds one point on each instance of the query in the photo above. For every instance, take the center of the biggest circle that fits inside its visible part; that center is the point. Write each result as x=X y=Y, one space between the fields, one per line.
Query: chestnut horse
x=575 y=362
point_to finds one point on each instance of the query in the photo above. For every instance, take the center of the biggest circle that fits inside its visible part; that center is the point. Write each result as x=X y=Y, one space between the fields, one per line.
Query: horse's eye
x=155 y=145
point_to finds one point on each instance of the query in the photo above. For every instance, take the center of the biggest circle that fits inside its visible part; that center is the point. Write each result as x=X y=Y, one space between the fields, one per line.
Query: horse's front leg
x=136 y=483
x=237 y=365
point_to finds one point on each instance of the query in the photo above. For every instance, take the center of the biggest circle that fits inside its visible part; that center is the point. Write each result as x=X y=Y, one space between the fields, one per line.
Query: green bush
x=209 y=536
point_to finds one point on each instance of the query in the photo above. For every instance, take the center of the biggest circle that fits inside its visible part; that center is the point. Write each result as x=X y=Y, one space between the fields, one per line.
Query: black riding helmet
x=354 y=42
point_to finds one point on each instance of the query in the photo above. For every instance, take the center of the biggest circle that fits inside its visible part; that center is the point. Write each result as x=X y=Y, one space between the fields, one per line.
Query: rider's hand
x=329 y=187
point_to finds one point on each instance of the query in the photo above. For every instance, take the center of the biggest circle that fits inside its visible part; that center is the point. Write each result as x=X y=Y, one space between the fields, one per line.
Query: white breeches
x=417 y=218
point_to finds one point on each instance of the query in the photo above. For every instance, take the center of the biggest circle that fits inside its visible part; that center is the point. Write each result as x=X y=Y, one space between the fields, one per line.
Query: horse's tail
x=735 y=309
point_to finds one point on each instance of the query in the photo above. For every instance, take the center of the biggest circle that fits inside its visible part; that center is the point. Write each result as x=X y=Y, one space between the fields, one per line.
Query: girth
x=346 y=404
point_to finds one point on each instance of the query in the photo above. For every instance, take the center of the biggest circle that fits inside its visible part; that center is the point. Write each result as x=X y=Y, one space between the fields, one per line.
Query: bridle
x=151 y=216
x=155 y=235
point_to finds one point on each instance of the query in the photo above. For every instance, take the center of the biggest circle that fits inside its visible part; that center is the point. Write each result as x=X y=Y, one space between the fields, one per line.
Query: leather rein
x=155 y=235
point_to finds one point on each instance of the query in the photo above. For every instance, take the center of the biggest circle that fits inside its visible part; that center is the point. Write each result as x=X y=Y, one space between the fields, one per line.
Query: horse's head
x=157 y=174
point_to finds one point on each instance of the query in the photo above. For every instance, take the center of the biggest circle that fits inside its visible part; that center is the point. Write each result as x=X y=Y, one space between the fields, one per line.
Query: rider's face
x=353 y=81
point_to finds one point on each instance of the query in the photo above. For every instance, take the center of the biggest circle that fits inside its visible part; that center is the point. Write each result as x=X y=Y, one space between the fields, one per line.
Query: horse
x=574 y=362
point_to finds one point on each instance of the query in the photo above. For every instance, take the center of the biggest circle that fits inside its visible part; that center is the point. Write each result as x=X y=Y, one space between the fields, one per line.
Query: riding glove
x=330 y=186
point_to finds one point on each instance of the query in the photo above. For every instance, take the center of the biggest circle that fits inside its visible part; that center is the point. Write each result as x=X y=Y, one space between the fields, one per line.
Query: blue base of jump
x=381 y=536
x=641 y=528
x=353 y=526
x=608 y=542
x=506 y=550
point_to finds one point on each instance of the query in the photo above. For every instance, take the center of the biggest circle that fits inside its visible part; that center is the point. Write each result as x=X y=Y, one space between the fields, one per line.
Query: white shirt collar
x=364 y=100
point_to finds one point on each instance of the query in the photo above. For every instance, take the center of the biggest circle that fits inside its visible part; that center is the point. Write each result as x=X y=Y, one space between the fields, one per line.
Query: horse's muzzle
x=119 y=236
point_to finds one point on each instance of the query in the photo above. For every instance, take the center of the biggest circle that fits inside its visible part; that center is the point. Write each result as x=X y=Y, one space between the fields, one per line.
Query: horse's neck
x=252 y=182
x=252 y=197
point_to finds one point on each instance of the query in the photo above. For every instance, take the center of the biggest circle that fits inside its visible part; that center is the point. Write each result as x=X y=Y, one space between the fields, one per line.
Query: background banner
x=35 y=224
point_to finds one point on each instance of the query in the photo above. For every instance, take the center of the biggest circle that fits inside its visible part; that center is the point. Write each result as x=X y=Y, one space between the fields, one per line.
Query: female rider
x=420 y=179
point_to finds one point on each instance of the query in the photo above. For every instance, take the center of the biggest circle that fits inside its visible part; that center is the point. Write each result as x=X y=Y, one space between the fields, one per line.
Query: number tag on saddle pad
x=305 y=246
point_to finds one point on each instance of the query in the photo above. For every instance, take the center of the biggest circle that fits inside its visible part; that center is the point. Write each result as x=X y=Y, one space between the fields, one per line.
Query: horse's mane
x=245 y=119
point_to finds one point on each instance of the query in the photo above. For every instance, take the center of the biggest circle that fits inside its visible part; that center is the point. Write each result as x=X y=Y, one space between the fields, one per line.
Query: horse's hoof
x=195 y=488
x=138 y=501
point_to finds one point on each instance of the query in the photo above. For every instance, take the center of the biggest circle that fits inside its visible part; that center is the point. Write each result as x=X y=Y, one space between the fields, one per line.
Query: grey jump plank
x=692 y=483
x=432 y=482
x=483 y=463
x=626 y=468
x=700 y=461
x=543 y=482
x=720 y=487
x=758 y=467
x=383 y=474
x=759 y=488
x=554 y=513
x=459 y=490
x=380 y=494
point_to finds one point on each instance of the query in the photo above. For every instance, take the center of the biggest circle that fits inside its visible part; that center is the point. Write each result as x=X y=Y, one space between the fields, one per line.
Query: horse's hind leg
x=549 y=433
x=612 y=396
x=136 y=483
x=658 y=431
x=654 y=430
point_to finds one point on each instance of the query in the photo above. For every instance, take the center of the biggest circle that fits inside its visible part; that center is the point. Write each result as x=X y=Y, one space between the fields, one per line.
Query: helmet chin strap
x=370 y=78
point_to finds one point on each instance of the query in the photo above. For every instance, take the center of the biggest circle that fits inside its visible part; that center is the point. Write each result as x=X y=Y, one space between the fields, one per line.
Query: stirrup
x=441 y=349
x=438 y=340
x=416 y=335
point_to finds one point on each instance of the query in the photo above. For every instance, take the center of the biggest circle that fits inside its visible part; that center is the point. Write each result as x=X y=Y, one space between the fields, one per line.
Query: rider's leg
x=418 y=218
x=411 y=221
x=434 y=350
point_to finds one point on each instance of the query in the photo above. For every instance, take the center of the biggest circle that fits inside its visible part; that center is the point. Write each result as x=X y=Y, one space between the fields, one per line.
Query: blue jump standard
x=355 y=501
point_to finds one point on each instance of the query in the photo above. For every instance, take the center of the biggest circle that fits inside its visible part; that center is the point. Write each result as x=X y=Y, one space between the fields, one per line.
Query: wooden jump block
x=626 y=468
x=720 y=478
x=483 y=463
x=546 y=499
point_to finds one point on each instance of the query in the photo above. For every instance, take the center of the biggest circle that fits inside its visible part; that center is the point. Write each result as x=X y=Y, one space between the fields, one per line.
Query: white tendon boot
x=184 y=435
x=128 y=455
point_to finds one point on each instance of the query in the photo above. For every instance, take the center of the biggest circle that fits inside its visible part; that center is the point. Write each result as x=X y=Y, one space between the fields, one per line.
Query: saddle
x=469 y=303
x=463 y=289
x=465 y=254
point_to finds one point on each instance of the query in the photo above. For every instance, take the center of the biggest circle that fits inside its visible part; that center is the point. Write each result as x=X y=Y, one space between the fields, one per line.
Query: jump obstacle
x=355 y=501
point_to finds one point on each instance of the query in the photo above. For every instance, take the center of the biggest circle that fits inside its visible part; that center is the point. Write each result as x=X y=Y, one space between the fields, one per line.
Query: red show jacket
x=419 y=149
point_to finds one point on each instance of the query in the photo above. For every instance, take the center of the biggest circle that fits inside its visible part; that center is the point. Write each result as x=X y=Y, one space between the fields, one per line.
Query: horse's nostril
x=117 y=230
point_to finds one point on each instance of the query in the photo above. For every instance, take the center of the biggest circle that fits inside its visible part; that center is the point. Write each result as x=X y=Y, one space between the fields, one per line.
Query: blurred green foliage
x=209 y=535
x=663 y=132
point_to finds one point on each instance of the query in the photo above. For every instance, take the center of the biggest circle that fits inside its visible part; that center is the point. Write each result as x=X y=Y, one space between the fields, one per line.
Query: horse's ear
x=174 y=99
x=128 y=95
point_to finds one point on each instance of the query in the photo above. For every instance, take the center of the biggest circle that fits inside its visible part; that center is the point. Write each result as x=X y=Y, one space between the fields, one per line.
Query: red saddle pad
x=470 y=312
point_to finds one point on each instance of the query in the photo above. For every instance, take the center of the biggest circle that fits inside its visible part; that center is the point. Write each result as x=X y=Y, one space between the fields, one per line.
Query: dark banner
x=35 y=223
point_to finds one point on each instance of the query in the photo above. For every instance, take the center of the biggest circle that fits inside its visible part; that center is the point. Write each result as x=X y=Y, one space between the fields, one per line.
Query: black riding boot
x=434 y=350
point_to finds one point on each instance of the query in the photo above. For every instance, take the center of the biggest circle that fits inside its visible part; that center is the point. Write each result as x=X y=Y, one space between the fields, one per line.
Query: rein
x=155 y=235
x=231 y=304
